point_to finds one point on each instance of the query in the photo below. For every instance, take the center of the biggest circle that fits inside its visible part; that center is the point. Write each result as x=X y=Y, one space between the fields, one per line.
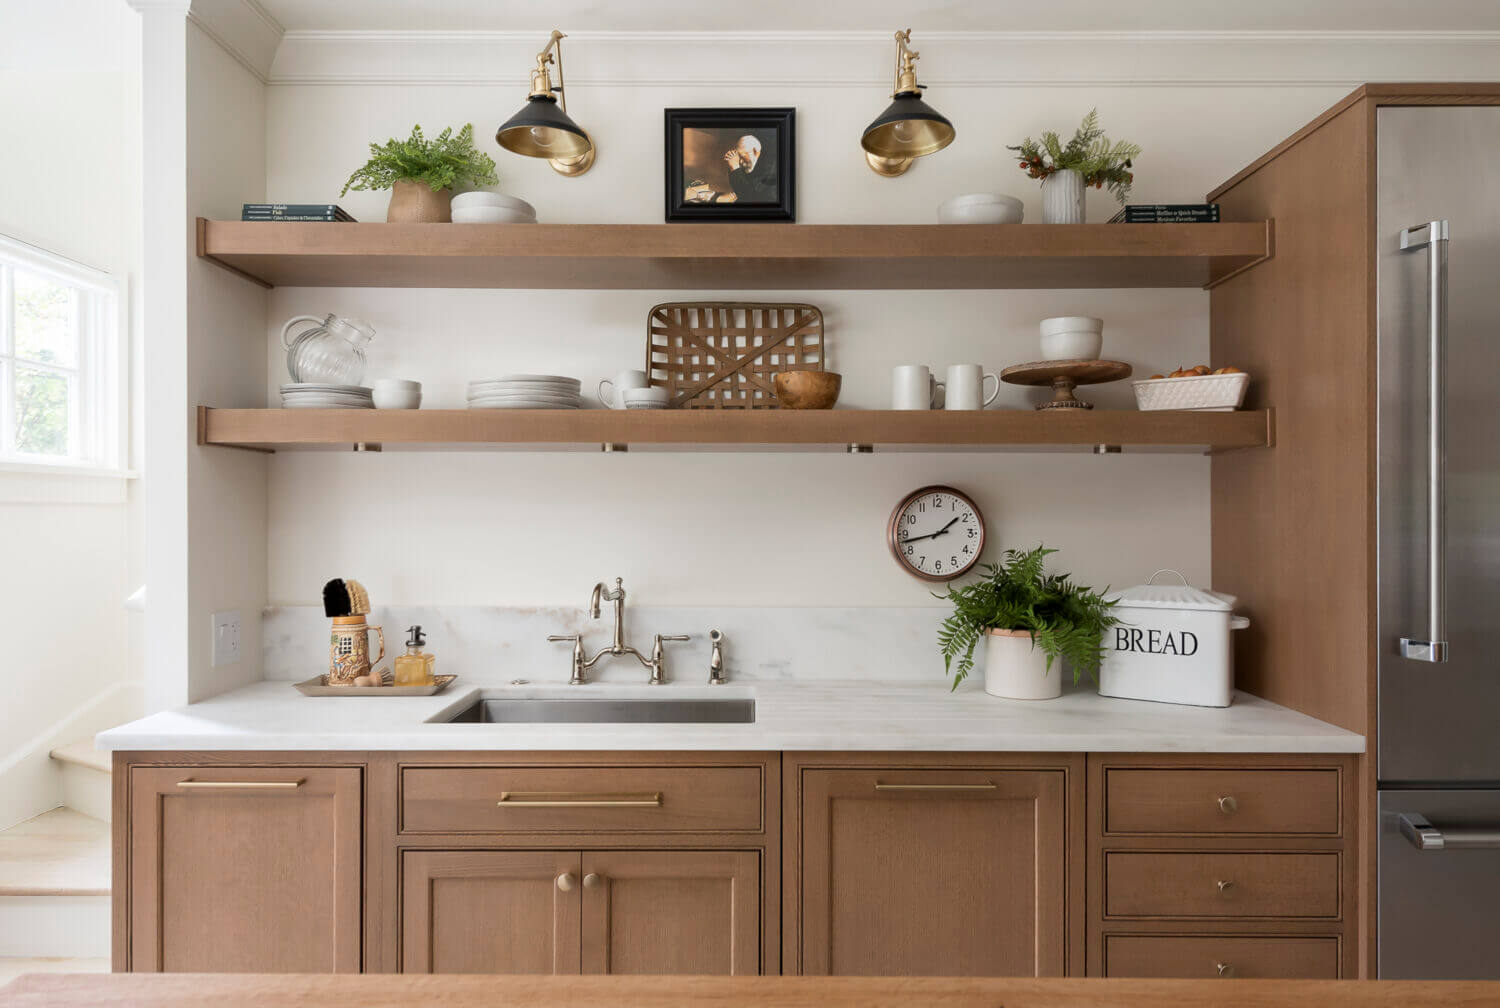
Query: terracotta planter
x=416 y=203
x=1017 y=670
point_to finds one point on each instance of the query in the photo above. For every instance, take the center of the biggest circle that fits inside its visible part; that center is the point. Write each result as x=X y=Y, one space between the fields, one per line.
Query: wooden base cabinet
x=570 y=912
x=946 y=866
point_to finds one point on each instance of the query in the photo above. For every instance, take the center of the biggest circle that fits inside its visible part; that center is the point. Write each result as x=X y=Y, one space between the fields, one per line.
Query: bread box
x=1171 y=645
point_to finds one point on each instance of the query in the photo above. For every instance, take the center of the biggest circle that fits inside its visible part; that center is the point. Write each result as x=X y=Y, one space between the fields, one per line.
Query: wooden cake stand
x=1064 y=376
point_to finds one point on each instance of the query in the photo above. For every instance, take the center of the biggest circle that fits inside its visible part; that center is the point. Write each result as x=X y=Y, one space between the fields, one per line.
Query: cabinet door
x=661 y=912
x=933 y=872
x=245 y=870
x=489 y=912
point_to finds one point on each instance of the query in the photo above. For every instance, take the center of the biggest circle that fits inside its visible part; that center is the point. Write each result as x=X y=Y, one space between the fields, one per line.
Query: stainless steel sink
x=523 y=710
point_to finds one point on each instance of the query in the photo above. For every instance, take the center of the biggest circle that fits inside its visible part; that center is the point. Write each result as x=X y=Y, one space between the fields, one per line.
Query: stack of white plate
x=523 y=391
x=491 y=208
x=318 y=395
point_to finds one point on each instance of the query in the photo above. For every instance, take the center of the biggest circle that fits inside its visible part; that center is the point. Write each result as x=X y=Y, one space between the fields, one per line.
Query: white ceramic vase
x=1017 y=670
x=1062 y=197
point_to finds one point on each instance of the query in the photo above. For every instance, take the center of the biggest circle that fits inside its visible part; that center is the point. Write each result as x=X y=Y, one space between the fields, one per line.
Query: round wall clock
x=936 y=533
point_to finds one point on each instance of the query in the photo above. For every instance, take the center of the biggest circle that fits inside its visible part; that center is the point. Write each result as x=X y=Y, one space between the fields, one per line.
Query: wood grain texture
x=1141 y=884
x=166 y=991
x=672 y=912
x=245 y=879
x=1188 y=802
x=282 y=429
x=739 y=256
x=1208 y=957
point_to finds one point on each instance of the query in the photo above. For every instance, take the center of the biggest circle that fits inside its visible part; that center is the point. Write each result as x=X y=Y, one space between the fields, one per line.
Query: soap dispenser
x=415 y=667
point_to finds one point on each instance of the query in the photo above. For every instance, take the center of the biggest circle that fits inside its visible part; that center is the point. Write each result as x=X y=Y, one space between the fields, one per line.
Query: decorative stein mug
x=349 y=650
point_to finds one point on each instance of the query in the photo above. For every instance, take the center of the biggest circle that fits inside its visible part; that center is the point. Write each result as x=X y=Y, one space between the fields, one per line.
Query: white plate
x=318 y=387
x=530 y=379
x=325 y=397
x=520 y=405
x=523 y=389
x=318 y=405
x=527 y=403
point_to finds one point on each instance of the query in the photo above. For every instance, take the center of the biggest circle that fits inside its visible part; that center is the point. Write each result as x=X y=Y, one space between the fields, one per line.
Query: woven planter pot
x=416 y=203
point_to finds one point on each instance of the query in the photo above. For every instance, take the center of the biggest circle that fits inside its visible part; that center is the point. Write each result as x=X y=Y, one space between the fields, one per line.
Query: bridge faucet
x=617 y=647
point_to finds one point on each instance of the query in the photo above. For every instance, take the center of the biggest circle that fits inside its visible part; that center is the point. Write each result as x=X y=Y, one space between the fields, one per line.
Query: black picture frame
x=751 y=121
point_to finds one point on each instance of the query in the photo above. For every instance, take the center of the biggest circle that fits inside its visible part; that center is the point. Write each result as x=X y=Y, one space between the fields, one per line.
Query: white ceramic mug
x=619 y=385
x=964 y=389
x=913 y=387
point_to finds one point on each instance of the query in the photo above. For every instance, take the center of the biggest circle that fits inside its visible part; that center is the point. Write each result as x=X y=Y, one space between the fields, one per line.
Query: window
x=60 y=362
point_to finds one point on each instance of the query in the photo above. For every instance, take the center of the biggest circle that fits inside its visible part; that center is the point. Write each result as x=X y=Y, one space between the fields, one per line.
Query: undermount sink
x=593 y=710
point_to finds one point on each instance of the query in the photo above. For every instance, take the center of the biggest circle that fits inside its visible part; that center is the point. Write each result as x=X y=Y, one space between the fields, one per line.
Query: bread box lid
x=1183 y=596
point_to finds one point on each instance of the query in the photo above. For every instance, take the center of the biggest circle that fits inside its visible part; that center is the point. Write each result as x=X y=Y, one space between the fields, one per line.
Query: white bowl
x=1072 y=346
x=645 y=398
x=1072 y=323
x=397 y=393
x=981 y=208
x=479 y=198
x=491 y=215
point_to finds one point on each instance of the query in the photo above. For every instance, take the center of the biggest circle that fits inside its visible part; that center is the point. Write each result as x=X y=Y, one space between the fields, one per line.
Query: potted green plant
x=1029 y=619
x=421 y=173
x=1089 y=159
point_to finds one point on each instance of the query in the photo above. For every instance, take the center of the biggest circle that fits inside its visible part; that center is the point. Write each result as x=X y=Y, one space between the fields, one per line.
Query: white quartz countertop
x=822 y=715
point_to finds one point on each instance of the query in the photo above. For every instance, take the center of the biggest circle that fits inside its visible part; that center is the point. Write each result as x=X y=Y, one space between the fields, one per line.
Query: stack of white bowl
x=524 y=391
x=1072 y=337
x=320 y=395
x=491 y=208
x=981 y=208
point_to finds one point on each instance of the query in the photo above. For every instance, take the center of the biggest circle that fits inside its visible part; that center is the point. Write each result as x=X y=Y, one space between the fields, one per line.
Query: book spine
x=299 y=217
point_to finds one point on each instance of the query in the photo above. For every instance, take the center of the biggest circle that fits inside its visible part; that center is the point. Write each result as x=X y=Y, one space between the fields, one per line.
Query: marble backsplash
x=499 y=644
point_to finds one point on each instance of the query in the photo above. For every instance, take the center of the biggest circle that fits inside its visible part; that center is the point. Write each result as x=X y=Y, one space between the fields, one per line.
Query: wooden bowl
x=807 y=389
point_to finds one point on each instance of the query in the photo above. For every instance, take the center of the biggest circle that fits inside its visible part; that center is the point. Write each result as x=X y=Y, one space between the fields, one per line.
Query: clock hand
x=931 y=535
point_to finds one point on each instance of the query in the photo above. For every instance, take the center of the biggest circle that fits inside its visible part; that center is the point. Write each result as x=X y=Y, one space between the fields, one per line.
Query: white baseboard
x=54 y=926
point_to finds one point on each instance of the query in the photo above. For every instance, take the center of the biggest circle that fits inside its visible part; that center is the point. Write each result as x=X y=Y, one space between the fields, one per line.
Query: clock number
x=911 y=519
x=910 y=550
x=937 y=501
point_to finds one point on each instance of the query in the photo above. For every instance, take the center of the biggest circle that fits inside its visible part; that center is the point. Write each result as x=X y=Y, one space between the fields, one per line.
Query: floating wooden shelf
x=737 y=256
x=716 y=430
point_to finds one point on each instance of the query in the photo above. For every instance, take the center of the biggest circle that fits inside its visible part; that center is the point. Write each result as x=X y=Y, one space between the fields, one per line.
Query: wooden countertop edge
x=333 y=991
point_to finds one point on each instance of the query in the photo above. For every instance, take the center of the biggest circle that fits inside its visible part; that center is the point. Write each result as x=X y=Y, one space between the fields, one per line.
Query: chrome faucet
x=655 y=664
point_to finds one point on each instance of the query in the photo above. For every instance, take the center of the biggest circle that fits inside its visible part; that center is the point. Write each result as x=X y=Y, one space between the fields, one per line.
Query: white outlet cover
x=226 y=637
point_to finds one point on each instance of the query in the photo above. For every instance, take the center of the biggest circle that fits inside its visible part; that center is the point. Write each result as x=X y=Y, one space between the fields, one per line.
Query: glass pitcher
x=331 y=350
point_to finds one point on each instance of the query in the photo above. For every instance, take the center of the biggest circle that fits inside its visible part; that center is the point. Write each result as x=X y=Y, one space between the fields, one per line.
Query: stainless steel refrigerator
x=1438 y=423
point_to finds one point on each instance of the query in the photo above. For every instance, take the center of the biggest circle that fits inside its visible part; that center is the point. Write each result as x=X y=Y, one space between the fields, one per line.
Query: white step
x=86 y=779
x=54 y=887
x=12 y=967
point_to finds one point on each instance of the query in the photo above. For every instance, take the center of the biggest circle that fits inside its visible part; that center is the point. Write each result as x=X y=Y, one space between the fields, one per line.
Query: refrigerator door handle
x=1433 y=236
x=1426 y=837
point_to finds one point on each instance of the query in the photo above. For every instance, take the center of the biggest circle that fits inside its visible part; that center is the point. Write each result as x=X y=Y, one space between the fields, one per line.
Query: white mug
x=619 y=385
x=965 y=387
x=913 y=387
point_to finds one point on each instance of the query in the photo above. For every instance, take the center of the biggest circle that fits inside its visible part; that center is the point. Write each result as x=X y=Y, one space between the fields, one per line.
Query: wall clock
x=936 y=533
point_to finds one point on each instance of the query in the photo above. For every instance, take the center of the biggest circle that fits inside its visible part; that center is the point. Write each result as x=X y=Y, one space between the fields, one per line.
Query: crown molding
x=243 y=29
x=863 y=59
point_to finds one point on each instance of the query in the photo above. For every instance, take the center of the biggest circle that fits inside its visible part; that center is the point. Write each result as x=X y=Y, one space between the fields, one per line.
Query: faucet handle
x=657 y=656
x=572 y=637
x=577 y=678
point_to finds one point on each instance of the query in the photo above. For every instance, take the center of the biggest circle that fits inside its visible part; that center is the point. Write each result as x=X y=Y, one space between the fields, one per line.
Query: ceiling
x=867 y=15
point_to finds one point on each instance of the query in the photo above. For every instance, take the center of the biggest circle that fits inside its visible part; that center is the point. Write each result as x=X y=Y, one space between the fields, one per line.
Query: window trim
x=100 y=415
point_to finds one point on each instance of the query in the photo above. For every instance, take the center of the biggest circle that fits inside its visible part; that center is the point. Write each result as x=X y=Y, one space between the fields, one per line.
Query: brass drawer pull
x=1228 y=805
x=935 y=787
x=579 y=799
x=1224 y=885
x=280 y=785
x=1224 y=969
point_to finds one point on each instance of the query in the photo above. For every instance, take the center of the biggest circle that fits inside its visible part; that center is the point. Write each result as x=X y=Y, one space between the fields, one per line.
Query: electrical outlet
x=226 y=637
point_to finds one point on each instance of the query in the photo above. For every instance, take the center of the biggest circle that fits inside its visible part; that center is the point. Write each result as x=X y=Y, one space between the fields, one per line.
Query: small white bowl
x=1072 y=346
x=981 y=208
x=645 y=398
x=479 y=198
x=1072 y=323
x=397 y=393
x=491 y=215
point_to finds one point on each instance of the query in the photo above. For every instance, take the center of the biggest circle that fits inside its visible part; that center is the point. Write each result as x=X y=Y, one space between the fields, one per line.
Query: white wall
x=69 y=91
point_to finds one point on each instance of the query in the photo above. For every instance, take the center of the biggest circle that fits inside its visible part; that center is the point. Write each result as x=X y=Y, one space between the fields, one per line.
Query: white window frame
x=97 y=415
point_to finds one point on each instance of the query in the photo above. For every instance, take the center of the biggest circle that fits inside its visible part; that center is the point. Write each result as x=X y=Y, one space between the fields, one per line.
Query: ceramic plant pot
x=416 y=203
x=1062 y=197
x=1016 y=670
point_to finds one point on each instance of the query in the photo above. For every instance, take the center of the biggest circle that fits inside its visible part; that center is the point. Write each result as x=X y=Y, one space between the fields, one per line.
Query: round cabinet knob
x=1224 y=969
x=1224 y=885
x=566 y=882
x=592 y=881
x=1229 y=805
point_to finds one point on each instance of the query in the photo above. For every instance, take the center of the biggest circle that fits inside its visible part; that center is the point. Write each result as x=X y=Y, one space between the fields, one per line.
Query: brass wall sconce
x=909 y=128
x=543 y=128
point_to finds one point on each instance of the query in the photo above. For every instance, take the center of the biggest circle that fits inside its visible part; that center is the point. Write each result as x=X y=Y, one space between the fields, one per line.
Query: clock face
x=936 y=533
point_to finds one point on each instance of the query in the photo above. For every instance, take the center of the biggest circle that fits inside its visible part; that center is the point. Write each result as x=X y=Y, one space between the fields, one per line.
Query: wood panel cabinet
x=911 y=867
x=241 y=870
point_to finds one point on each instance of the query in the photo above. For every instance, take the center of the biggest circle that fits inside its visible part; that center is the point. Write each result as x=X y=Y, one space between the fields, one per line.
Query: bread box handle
x=1166 y=570
x=1239 y=622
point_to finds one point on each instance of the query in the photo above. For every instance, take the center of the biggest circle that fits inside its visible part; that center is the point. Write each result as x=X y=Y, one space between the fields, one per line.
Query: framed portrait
x=731 y=164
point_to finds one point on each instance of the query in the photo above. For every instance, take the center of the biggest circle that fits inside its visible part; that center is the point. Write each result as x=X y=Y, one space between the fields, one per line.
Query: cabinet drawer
x=1208 y=956
x=1222 y=801
x=1221 y=884
x=602 y=799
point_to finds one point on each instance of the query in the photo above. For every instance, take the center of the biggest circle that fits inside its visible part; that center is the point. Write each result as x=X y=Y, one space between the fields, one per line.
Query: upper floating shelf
x=739 y=256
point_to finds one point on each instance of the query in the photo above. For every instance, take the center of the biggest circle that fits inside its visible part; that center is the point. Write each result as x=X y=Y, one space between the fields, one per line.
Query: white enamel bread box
x=1171 y=645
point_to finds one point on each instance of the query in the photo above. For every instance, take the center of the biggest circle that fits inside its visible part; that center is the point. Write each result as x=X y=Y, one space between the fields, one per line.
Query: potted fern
x=421 y=173
x=1029 y=619
x=1089 y=159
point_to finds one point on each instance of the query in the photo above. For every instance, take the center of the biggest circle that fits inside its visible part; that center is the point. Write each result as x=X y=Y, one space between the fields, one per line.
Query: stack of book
x=295 y=212
x=1167 y=213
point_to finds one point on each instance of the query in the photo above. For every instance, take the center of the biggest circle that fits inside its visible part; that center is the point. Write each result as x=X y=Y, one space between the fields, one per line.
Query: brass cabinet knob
x=1224 y=969
x=592 y=881
x=1228 y=805
x=566 y=881
x=1224 y=885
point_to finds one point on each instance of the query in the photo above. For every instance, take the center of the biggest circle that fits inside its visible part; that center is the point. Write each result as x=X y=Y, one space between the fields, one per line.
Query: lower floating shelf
x=732 y=430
